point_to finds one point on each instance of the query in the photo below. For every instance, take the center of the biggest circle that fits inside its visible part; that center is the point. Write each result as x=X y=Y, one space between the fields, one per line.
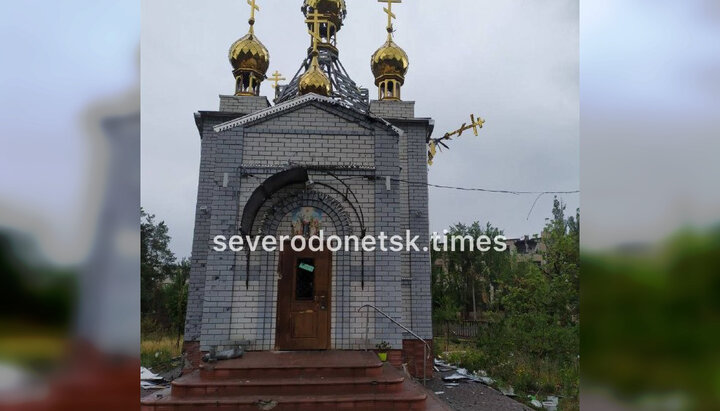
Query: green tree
x=541 y=304
x=156 y=262
x=474 y=273
x=530 y=336
x=176 y=294
x=562 y=263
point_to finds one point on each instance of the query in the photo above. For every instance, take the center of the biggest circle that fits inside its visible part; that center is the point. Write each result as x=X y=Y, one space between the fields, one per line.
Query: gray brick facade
x=243 y=104
x=393 y=109
x=227 y=304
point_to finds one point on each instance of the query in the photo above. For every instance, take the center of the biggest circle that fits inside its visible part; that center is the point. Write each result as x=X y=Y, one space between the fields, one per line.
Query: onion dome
x=249 y=53
x=389 y=65
x=250 y=60
x=334 y=10
x=315 y=81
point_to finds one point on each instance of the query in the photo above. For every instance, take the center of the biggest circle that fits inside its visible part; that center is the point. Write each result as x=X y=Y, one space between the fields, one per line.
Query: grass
x=527 y=375
x=160 y=353
x=33 y=346
x=441 y=344
x=33 y=351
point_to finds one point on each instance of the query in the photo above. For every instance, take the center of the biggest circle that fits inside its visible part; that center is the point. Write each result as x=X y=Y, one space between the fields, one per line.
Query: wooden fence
x=458 y=329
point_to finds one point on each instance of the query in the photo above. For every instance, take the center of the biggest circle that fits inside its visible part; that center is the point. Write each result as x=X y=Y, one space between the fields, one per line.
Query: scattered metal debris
x=146 y=385
x=508 y=391
x=486 y=380
x=462 y=374
x=455 y=377
x=151 y=381
x=551 y=403
x=147 y=375
x=441 y=366
x=214 y=356
x=264 y=405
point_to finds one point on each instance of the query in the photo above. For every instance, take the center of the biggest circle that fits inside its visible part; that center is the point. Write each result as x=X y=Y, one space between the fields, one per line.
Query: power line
x=533 y=206
x=486 y=190
x=446 y=187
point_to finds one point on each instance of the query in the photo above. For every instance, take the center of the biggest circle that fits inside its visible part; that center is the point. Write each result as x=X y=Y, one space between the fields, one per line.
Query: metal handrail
x=426 y=347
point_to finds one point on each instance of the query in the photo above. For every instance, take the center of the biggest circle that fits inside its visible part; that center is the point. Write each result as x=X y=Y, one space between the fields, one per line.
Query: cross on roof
x=276 y=78
x=253 y=7
x=314 y=18
x=389 y=12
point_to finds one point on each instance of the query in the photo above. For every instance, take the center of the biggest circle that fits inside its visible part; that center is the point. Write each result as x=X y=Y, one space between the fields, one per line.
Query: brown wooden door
x=304 y=300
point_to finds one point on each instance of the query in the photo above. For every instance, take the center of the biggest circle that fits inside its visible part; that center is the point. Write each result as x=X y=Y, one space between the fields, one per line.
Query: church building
x=322 y=156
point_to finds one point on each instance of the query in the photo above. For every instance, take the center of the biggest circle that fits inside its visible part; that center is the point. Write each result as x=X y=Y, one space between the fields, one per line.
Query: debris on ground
x=214 y=356
x=442 y=366
x=455 y=377
x=486 y=380
x=508 y=391
x=151 y=381
x=266 y=405
x=462 y=374
x=147 y=385
x=551 y=403
x=147 y=375
x=466 y=395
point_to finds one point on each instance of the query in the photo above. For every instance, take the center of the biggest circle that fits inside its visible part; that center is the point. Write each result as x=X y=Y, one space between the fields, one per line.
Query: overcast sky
x=649 y=76
x=514 y=63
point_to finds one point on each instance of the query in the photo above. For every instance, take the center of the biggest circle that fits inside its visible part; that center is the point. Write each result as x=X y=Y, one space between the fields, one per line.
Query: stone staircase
x=279 y=381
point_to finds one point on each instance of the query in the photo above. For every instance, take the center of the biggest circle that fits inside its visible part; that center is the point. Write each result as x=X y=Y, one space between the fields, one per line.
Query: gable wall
x=224 y=310
x=309 y=135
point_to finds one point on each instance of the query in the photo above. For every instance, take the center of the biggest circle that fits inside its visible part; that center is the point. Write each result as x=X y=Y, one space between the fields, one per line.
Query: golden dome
x=334 y=9
x=249 y=54
x=315 y=81
x=389 y=61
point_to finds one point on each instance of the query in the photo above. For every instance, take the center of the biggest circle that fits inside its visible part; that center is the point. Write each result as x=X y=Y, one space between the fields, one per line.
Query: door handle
x=323 y=302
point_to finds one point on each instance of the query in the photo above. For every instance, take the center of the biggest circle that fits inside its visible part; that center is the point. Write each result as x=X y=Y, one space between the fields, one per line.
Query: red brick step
x=297 y=381
x=410 y=398
x=195 y=386
x=311 y=364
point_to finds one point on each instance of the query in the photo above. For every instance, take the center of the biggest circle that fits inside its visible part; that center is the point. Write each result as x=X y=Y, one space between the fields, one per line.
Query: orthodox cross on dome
x=314 y=18
x=276 y=78
x=315 y=80
x=390 y=13
x=253 y=8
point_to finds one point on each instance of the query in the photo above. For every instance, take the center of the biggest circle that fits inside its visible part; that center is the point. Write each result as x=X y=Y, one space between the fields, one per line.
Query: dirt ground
x=472 y=396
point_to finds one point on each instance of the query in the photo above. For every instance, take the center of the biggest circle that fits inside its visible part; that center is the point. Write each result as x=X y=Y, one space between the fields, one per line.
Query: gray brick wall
x=201 y=243
x=222 y=308
x=243 y=104
x=220 y=271
x=389 y=109
x=417 y=299
x=388 y=290
x=419 y=223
